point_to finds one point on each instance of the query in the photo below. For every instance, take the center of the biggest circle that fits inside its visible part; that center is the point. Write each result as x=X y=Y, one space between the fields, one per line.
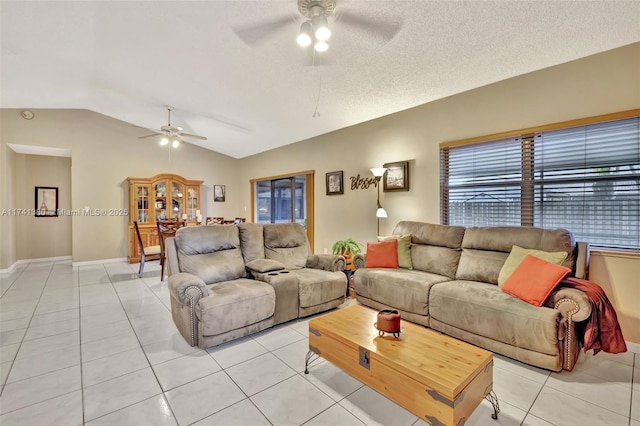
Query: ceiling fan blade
x=381 y=30
x=256 y=34
x=150 y=136
x=191 y=136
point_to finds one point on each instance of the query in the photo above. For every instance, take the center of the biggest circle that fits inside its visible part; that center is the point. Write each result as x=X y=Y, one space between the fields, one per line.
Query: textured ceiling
x=234 y=73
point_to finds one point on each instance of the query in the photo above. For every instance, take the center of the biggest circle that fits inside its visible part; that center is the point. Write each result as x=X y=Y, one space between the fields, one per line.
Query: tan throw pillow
x=404 y=251
x=518 y=254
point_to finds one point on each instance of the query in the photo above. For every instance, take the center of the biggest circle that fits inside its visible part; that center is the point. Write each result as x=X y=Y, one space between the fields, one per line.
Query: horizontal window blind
x=585 y=179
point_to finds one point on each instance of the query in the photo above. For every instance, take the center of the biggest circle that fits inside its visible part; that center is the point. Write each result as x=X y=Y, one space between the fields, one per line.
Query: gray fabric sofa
x=453 y=288
x=228 y=281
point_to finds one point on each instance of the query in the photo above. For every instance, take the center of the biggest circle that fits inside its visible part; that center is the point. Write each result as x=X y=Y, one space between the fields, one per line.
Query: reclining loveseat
x=229 y=281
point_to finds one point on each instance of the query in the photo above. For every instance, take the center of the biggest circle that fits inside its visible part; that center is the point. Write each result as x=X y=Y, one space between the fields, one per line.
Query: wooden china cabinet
x=164 y=196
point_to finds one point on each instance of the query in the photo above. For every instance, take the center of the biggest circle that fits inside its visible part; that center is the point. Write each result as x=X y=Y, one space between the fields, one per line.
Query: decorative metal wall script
x=358 y=182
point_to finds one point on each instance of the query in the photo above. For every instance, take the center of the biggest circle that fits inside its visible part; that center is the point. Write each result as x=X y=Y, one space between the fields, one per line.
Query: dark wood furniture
x=146 y=253
x=167 y=229
x=161 y=197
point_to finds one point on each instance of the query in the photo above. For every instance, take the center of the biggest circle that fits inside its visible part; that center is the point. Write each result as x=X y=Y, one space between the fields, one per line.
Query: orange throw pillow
x=534 y=280
x=383 y=254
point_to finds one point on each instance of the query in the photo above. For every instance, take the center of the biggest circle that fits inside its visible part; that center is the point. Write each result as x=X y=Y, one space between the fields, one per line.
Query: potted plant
x=346 y=248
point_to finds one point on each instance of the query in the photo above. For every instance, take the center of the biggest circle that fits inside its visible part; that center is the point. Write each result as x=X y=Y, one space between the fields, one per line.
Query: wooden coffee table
x=436 y=377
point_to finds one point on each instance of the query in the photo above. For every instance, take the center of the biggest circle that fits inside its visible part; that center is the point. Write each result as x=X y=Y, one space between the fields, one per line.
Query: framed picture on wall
x=335 y=185
x=219 y=193
x=46 y=201
x=396 y=178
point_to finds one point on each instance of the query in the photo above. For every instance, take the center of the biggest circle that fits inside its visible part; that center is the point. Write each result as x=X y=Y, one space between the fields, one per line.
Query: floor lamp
x=378 y=172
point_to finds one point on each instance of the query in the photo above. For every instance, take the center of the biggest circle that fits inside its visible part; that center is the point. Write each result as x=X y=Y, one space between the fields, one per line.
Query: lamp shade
x=381 y=212
x=378 y=171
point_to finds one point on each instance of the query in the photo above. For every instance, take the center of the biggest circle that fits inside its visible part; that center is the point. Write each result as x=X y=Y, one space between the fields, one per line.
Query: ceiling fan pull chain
x=316 y=113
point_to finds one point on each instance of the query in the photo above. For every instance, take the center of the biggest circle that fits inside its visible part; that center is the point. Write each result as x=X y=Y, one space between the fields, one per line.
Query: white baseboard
x=633 y=347
x=9 y=270
x=58 y=259
x=98 y=262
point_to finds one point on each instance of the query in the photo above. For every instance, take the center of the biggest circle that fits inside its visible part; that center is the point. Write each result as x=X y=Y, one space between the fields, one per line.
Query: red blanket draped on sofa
x=602 y=330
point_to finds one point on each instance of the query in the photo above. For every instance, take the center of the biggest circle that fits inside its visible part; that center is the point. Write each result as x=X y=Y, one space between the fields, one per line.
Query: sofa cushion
x=317 y=286
x=480 y=265
x=235 y=304
x=484 y=309
x=436 y=260
x=286 y=243
x=518 y=254
x=485 y=249
x=210 y=252
x=383 y=254
x=431 y=234
x=534 y=280
x=251 y=241
x=404 y=289
x=404 y=249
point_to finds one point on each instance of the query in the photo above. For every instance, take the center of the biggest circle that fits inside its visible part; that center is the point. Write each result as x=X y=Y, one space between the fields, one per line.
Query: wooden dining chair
x=167 y=229
x=146 y=253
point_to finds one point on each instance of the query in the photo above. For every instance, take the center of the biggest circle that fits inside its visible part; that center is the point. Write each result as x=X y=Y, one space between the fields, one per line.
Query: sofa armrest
x=572 y=303
x=582 y=260
x=327 y=262
x=187 y=288
x=359 y=260
x=172 y=256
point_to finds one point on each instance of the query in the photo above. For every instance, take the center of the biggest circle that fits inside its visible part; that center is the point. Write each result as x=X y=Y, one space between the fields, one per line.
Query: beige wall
x=105 y=152
x=42 y=237
x=7 y=202
x=591 y=86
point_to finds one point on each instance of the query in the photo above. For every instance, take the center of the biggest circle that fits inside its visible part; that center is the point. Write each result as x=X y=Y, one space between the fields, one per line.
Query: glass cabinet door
x=142 y=198
x=177 y=200
x=161 y=200
x=192 y=204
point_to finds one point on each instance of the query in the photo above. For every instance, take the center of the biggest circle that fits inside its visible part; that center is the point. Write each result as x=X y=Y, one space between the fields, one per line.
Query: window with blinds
x=585 y=179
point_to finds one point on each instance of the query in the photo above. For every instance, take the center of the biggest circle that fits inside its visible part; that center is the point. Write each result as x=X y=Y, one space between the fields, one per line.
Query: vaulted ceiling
x=234 y=73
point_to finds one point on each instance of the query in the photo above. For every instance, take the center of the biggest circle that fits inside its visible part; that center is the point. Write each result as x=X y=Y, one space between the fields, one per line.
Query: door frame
x=310 y=200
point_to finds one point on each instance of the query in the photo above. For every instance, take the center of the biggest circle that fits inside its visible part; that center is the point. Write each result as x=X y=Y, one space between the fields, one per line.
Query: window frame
x=528 y=180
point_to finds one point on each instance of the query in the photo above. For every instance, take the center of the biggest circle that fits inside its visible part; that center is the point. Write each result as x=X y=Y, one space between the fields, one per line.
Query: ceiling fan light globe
x=175 y=143
x=323 y=33
x=303 y=40
x=321 y=46
x=164 y=141
x=321 y=27
x=304 y=37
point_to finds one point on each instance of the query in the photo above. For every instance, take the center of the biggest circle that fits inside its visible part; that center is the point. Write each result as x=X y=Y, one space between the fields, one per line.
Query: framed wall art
x=335 y=184
x=396 y=178
x=219 y=193
x=46 y=201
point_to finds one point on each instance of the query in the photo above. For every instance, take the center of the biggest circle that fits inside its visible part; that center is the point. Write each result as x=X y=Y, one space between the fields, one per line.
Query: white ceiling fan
x=172 y=134
x=315 y=29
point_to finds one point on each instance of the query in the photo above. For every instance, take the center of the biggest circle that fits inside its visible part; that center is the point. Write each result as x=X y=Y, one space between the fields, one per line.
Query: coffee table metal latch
x=364 y=358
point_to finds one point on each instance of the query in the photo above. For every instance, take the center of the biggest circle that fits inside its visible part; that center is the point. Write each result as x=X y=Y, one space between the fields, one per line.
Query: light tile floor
x=96 y=345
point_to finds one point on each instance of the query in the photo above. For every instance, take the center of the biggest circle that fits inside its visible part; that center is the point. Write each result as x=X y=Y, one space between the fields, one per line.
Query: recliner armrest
x=359 y=260
x=327 y=262
x=571 y=303
x=187 y=288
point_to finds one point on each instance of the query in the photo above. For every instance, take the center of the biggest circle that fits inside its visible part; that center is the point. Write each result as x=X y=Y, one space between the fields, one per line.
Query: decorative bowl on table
x=388 y=322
